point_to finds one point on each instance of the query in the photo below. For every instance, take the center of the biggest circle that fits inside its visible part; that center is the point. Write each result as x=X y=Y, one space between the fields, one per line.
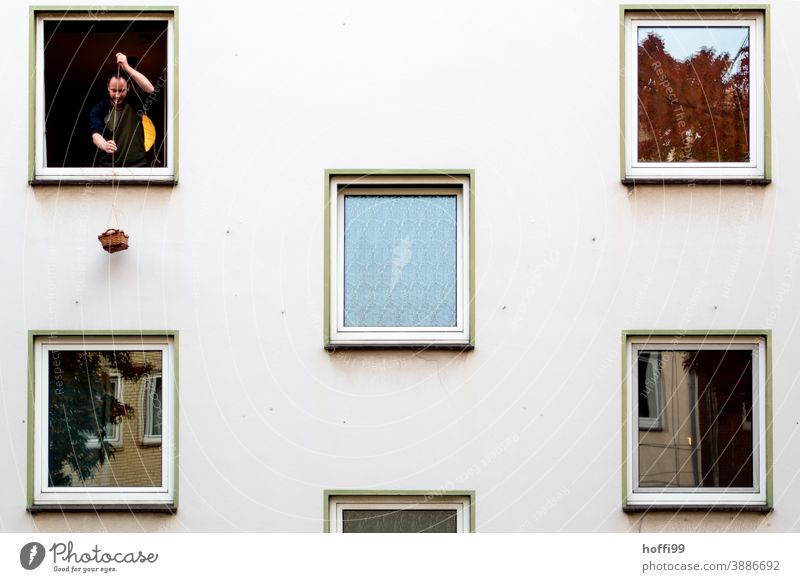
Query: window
x=401 y=512
x=399 y=259
x=153 y=410
x=88 y=392
x=75 y=115
x=697 y=419
x=694 y=89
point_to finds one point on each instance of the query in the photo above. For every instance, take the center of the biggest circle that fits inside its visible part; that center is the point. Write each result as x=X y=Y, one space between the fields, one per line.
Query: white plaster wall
x=271 y=94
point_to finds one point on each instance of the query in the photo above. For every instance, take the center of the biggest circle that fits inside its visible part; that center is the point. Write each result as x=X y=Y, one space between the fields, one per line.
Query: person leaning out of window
x=116 y=128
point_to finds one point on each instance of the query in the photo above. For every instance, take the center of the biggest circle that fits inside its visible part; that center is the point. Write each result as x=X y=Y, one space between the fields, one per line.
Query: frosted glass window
x=399 y=521
x=400 y=261
x=405 y=513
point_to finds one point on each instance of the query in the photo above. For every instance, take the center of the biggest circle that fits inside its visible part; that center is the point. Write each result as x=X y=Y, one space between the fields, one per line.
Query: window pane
x=694 y=94
x=84 y=401
x=707 y=420
x=155 y=407
x=400 y=261
x=650 y=389
x=399 y=521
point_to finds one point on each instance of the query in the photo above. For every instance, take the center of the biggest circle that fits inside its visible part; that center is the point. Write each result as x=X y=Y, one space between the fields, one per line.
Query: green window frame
x=163 y=101
x=123 y=480
x=341 y=184
x=687 y=434
x=757 y=167
x=459 y=503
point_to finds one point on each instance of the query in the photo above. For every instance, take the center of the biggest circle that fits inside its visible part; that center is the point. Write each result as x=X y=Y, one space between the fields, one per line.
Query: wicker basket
x=114 y=240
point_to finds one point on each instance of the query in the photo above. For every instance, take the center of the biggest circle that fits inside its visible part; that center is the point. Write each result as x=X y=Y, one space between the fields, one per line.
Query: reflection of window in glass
x=153 y=409
x=76 y=53
x=108 y=427
x=84 y=415
x=694 y=88
x=709 y=445
x=650 y=391
x=399 y=514
x=400 y=260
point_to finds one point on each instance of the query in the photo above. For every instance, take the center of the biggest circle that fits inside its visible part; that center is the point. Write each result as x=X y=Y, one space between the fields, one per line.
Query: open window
x=82 y=416
x=706 y=442
x=695 y=90
x=74 y=53
x=399 y=512
x=398 y=259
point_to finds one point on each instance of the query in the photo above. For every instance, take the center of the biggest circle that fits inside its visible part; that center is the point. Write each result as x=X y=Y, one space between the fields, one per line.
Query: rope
x=113 y=218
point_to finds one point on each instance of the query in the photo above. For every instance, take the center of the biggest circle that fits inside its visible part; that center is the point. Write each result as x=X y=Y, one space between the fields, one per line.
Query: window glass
x=86 y=408
x=154 y=408
x=399 y=521
x=694 y=93
x=400 y=261
x=707 y=437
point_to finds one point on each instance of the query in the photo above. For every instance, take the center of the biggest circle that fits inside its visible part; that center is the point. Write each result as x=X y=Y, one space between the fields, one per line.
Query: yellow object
x=149 y=132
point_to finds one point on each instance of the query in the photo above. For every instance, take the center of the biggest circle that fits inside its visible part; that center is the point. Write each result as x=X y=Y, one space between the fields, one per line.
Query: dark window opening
x=78 y=55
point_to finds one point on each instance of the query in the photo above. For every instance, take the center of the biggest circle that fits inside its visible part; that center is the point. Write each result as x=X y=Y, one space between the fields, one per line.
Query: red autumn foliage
x=693 y=110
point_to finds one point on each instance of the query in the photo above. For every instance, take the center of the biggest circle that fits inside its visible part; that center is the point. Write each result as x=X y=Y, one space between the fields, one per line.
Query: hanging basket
x=113 y=240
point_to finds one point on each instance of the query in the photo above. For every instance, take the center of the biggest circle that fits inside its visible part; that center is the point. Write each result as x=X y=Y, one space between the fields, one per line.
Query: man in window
x=117 y=130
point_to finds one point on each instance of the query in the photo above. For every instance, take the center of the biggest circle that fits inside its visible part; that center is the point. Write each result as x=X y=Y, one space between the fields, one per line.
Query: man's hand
x=140 y=79
x=108 y=146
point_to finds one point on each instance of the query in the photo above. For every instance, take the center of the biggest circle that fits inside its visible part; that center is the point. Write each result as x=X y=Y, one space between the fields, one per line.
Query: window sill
x=149 y=181
x=105 y=508
x=710 y=181
x=398 y=346
x=690 y=508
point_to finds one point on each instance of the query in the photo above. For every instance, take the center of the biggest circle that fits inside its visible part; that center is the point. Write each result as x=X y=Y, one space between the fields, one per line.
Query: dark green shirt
x=125 y=128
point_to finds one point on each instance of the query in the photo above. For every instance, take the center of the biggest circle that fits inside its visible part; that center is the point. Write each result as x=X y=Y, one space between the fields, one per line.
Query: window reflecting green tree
x=82 y=407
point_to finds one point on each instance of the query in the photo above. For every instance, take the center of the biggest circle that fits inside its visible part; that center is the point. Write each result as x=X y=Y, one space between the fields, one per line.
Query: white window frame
x=434 y=184
x=756 y=167
x=699 y=496
x=81 y=175
x=44 y=494
x=337 y=504
x=148 y=438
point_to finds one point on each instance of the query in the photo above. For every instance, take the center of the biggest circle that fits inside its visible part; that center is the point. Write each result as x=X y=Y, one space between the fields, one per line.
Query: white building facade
x=282 y=381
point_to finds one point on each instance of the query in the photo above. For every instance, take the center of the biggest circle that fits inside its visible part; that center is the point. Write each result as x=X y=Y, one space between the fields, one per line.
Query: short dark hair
x=116 y=74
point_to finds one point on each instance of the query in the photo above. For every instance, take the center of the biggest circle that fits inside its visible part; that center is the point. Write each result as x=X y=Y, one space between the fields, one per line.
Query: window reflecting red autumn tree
x=694 y=99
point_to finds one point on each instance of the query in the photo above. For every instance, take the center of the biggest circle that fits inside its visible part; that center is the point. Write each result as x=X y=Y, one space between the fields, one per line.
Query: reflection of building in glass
x=705 y=436
x=119 y=403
